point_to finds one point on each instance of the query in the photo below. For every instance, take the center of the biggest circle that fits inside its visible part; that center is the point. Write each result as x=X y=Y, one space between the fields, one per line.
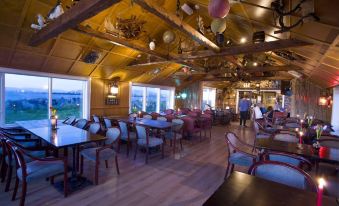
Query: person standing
x=244 y=107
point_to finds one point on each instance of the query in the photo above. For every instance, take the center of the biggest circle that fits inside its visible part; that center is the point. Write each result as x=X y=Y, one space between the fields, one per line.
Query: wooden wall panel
x=305 y=100
x=99 y=91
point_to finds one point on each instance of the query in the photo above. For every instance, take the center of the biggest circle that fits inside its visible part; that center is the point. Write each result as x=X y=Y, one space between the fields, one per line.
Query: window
x=67 y=97
x=151 y=98
x=208 y=96
x=28 y=97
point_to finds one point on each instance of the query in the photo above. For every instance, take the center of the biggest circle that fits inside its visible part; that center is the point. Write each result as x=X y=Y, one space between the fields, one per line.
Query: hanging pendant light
x=218 y=8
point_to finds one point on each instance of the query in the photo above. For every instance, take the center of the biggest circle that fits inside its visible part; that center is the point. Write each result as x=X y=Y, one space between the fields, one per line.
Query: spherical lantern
x=168 y=37
x=218 y=8
x=218 y=25
x=152 y=45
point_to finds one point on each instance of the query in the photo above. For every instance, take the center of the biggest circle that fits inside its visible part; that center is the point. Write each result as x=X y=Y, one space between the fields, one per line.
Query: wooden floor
x=187 y=178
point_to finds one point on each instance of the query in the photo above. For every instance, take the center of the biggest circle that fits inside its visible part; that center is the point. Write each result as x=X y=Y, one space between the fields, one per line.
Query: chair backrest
x=164 y=119
x=69 y=120
x=142 y=132
x=283 y=173
x=147 y=116
x=15 y=150
x=235 y=144
x=94 y=128
x=108 y=123
x=328 y=141
x=291 y=159
x=96 y=119
x=81 y=123
x=112 y=135
x=178 y=125
x=123 y=129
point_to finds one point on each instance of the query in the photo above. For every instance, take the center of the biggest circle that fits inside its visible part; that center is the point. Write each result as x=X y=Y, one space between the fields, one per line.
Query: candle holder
x=54 y=122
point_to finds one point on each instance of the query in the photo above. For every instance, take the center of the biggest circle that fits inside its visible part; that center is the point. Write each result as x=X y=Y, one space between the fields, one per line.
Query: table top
x=64 y=136
x=242 y=189
x=324 y=154
x=149 y=123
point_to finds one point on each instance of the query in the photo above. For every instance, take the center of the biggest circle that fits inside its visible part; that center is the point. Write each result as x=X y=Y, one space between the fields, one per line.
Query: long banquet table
x=241 y=189
x=65 y=136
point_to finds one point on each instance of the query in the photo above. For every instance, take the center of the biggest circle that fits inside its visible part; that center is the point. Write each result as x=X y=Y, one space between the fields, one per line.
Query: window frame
x=50 y=76
x=159 y=88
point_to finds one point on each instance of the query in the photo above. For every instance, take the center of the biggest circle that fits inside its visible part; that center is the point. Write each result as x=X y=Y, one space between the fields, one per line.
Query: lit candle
x=321 y=184
x=297 y=129
x=301 y=123
x=139 y=114
x=298 y=116
x=301 y=133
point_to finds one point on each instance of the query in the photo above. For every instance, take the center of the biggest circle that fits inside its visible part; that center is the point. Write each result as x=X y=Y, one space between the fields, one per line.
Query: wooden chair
x=146 y=141
x=238 y=153
x=96 y=119
x=175 y=133
x=291 y=159
x=126 y=135
x=108 y=123
x=81 y=123
x=38 y=168
x=283 y=173
x=103 y=153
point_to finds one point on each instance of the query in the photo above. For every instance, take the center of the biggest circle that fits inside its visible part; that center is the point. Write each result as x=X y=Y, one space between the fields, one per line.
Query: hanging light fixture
x=322 y=101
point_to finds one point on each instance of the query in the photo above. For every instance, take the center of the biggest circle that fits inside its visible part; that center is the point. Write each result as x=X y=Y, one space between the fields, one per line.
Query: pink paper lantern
x=218 y=8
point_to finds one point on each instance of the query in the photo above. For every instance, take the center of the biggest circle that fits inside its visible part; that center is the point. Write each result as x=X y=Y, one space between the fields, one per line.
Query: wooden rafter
x=249 y=79
x=71 y=18
x=247 y=49
x=145 y=64
x=272 y=69
x=176 y=22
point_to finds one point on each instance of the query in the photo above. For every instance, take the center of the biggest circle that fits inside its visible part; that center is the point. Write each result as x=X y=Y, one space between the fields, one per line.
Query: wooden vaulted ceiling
x=63 y=53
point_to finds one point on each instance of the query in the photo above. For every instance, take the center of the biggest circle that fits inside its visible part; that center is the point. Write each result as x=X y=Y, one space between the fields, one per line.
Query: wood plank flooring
x=187 y=178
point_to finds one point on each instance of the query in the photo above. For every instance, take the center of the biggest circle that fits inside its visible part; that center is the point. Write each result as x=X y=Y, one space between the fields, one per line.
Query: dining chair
x=96 y=118
x=9 y=159
x=328 y=141
x=69 y=120
x=94 y=128
x=164 y=119
x=207 y=123
x=81 y=123
x=175 y=133
x=291 y=159
x=283 y=173
x=147 y=141
x=38 y=168
x=126 y=135
x=286 y=137
x=103 y=153
x=108 y=123
x=147 y=116
x=238 y=153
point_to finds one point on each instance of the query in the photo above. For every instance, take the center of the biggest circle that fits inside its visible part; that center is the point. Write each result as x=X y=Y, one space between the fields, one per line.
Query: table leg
x=74 y=171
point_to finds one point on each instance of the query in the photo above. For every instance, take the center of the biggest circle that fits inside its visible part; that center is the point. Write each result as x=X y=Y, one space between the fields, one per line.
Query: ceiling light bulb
x=243 y=40
x=255 y=64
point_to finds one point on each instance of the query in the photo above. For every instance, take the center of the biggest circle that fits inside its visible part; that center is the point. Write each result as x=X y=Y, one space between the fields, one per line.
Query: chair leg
x=227 y=169
x=181 y=143
x=200 y=137
x=77 y=156
x=163 y=150
x=117 y=165
x=96 y=172
x=4 y=172
x=174 y=145
x=65 y=181
x=23 y=193
x=147 y=152
x=106 y=163
x=15 y=188
x=210 y=133
x=136 y=150
x=81 y=164
x=9 y=178
x=52 y=180
x=232 y=168
x=128 y=145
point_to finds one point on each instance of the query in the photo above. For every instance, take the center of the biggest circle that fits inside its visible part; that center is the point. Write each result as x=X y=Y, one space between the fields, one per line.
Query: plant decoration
x=53 y=111
x=319 y=130
x=130 y=28
x=309 y=120
x=134 y=110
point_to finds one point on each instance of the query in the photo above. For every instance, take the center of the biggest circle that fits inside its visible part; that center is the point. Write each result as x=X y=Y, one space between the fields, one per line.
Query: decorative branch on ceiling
x=130 y=28
x=279 y=10
x=91 y=57
x=289 y=55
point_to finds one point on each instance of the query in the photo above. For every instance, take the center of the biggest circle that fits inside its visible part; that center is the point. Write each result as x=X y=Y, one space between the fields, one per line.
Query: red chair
x=169 y=111
x=190 y=126
x=206 y=123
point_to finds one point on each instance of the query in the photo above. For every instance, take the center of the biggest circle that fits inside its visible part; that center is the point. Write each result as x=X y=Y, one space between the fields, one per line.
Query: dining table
x=242 y=189
x=63 y=137
x=155 y=124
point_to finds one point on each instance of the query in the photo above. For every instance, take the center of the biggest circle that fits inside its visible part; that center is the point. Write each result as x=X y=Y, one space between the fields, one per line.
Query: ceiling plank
x=177 y=23
x=247 y=49
x=249 y=79
x=145 y=64
x=72 y=17
x=272 y=69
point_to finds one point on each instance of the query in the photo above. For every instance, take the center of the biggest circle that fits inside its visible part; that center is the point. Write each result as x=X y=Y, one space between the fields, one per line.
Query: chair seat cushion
x=153 y=141
x=42 y=169
x=132 y=136
x=170 y=135
x=286 y=138
x=105 y=154
x=285 y=159
x=241 y=159
x=262 y=136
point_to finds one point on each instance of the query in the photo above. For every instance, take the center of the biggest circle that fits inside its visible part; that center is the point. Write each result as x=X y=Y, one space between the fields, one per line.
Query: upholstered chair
x=291 y=159
x=175 y=133
x=81 y=123
x=126 y=135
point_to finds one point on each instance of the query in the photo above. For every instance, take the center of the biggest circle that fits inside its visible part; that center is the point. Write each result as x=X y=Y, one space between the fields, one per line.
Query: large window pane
x=165 y=98
x=67 y=97
x=137 y=97
x=209 y=96
x=26 y=98
x=151 y=99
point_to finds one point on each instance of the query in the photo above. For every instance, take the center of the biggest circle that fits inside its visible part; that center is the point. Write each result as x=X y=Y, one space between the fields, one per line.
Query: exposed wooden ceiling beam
x=177 y=23
x=247 y=49
x=137 y=47
x=249 y=79
x=272 y=69
x=83 y=10
x=145 y=64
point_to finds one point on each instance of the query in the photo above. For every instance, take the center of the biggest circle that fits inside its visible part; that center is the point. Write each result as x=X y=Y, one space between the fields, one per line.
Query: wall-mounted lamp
x=113 y=91
x=322 y=101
